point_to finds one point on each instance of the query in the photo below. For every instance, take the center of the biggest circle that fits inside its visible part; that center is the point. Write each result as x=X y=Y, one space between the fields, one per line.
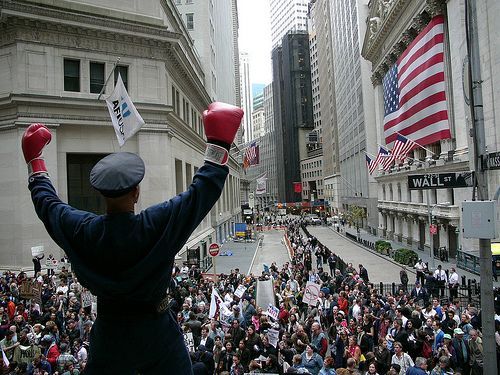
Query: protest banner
x=51 y=263
x=86 y=299
x=311 y=293
x=240 y=291
x=273 y=312
x=189 y=341
x=273 y=336
x=37 y=251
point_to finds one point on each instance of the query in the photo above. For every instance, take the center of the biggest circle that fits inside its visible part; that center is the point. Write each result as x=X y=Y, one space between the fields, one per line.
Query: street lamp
x=431 y=235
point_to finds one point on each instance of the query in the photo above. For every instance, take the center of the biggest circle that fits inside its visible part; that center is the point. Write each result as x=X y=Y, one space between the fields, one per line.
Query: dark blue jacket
x=127 y=256
x=127 y=259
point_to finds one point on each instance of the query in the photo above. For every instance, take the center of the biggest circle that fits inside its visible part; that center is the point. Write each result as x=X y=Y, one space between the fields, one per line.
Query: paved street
x=243 y=253
x=272 y=250
x=379 y=268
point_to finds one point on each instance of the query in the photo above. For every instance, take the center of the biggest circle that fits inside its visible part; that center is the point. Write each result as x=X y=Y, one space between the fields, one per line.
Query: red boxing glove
x=35 y=138
x=221 y=122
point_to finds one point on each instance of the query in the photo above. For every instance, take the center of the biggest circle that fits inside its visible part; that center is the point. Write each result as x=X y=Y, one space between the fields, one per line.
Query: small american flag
x=386 y=158
x=414 y=90
x=252 y=154
x=402 y=147
x=371 y=164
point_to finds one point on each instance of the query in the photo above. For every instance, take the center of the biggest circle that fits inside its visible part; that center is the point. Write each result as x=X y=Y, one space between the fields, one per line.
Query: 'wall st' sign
x=494 y=160
x=440 y=180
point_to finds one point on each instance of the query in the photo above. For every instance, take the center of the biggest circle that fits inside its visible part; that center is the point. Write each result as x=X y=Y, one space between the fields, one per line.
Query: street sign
x=440 y=180
x=213 y=249
x=494 y=160
x=433 y=229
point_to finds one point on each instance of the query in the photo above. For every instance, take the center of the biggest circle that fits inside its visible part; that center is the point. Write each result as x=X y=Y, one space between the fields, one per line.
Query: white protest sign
x=239 y=291
x=311 y=293
x=86 y=299
x=273 y=336
x=189 y=341
x=51 y=263
x=273 y=312
x=37 y=251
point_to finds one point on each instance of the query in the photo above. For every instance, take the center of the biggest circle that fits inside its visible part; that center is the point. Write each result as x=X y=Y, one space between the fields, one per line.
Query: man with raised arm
x=141 y=246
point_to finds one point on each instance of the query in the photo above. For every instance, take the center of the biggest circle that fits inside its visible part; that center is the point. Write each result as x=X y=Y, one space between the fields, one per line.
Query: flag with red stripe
x=370 y=164
x=402 y=147
x=252 y=154
x=414 y=90
x=386 y=159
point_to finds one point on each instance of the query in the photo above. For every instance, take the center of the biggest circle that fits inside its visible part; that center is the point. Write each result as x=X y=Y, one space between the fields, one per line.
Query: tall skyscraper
x=287 y=15
x=354 y=108
x=213 y=26
x=246 y=97
x=324 y=87
x=292 y=109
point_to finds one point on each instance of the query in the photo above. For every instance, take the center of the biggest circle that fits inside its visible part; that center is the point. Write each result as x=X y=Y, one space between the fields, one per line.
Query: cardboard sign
x=30 y=289
x=37 y=251
x=311 y=293
x=240 y=291
x=189 y=341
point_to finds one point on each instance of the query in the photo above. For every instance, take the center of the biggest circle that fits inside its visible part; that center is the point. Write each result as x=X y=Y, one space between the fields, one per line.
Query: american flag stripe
x=414 y=90
x=371 y=164
x=422 y=71
x=422 y=56
x=251 y=154
x=402 y=147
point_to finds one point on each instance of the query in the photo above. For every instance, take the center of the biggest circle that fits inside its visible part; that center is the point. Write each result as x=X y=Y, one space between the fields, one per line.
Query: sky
x=255 y=38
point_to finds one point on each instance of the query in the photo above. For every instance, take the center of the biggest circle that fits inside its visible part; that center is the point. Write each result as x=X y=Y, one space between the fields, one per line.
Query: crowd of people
x=350 y=328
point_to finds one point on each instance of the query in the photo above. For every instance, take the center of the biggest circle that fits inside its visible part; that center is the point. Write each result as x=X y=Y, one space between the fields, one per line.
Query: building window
x=80 y=194
x=96 y=77
x=190 y=21
x=179 y=183
x=175 y=100
x=189 y=174
x=71 y=75
x=122 y=70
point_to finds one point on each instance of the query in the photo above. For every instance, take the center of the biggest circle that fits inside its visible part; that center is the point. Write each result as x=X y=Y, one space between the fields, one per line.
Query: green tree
x=355 y=216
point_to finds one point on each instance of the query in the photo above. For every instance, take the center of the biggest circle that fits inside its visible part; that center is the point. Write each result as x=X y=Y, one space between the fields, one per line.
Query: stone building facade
x=403 y=213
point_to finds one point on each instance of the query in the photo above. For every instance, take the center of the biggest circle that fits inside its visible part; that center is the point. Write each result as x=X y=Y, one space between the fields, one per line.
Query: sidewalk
x=424 y=255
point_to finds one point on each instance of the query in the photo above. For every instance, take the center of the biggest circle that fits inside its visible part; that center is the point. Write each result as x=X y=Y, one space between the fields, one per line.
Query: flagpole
x=419 y=145
x=109 y=76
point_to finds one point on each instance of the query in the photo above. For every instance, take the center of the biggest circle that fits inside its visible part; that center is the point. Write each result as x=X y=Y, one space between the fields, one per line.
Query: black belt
x=106 y=307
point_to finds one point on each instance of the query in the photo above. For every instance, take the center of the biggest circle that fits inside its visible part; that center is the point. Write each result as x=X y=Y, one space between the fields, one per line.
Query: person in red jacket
x=343 y=303
x=51 y=350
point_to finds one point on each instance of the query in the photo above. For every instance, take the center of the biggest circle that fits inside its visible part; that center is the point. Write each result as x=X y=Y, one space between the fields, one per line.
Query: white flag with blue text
x=126 y=120
x=261 y=185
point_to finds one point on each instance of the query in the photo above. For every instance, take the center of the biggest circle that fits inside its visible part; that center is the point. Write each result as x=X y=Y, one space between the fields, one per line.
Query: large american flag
x=414 y=90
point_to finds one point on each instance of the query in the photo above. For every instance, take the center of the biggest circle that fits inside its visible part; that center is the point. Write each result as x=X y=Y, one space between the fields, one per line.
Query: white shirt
x=454 y=278
x=356 y=311
x=420 y=266
x=429 y=314
x=440 y=275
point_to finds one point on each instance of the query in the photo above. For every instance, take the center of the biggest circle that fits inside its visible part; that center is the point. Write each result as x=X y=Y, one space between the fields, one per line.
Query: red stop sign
x=213 y=249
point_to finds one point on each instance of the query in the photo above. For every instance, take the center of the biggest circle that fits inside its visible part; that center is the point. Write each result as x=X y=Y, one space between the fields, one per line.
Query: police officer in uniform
x=141 y=247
